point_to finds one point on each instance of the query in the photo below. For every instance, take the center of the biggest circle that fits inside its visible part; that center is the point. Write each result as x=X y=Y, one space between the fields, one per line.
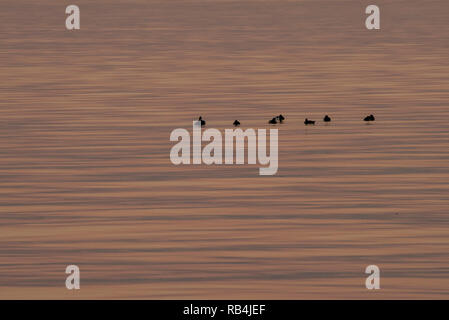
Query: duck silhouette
x=272 y=121
x=280 y=118
x=203 y=123
x=327 y=118
x=236 y=123
x=369 y=118
x=307 y=121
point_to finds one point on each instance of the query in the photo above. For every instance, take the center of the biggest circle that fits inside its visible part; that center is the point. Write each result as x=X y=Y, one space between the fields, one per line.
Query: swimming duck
x=326 y=118
x=272 y=121
x=236 y=123
x=203 y=123
x=369 y=118
x=280 y=118
x=307 y=121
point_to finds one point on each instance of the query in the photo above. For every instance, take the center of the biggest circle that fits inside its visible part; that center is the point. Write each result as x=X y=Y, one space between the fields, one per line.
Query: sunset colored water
x=86 y=177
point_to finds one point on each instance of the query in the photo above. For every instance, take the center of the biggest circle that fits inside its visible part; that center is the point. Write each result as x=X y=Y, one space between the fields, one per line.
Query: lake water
x=86 y=178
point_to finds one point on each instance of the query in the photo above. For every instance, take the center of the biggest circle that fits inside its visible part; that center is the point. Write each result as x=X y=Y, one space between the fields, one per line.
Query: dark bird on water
x=307 y=121
x=280 y=118
x=327 y=118
x=272 y=121
x=236 y=123
x=203 y=123
x=369 y=118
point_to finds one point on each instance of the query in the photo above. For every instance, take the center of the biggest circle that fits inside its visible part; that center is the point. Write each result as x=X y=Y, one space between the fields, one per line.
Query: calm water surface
x=86 y=179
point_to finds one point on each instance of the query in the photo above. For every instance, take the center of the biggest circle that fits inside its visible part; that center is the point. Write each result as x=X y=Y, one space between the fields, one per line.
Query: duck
x=236 y=123
x=369 y=118
x=272 y=121
x=203 y=123
x=327 y=118
x=280 y=118
x=307 y=121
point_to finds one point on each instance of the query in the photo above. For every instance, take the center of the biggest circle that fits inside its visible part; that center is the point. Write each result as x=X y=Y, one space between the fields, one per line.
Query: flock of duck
x=280 y=118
